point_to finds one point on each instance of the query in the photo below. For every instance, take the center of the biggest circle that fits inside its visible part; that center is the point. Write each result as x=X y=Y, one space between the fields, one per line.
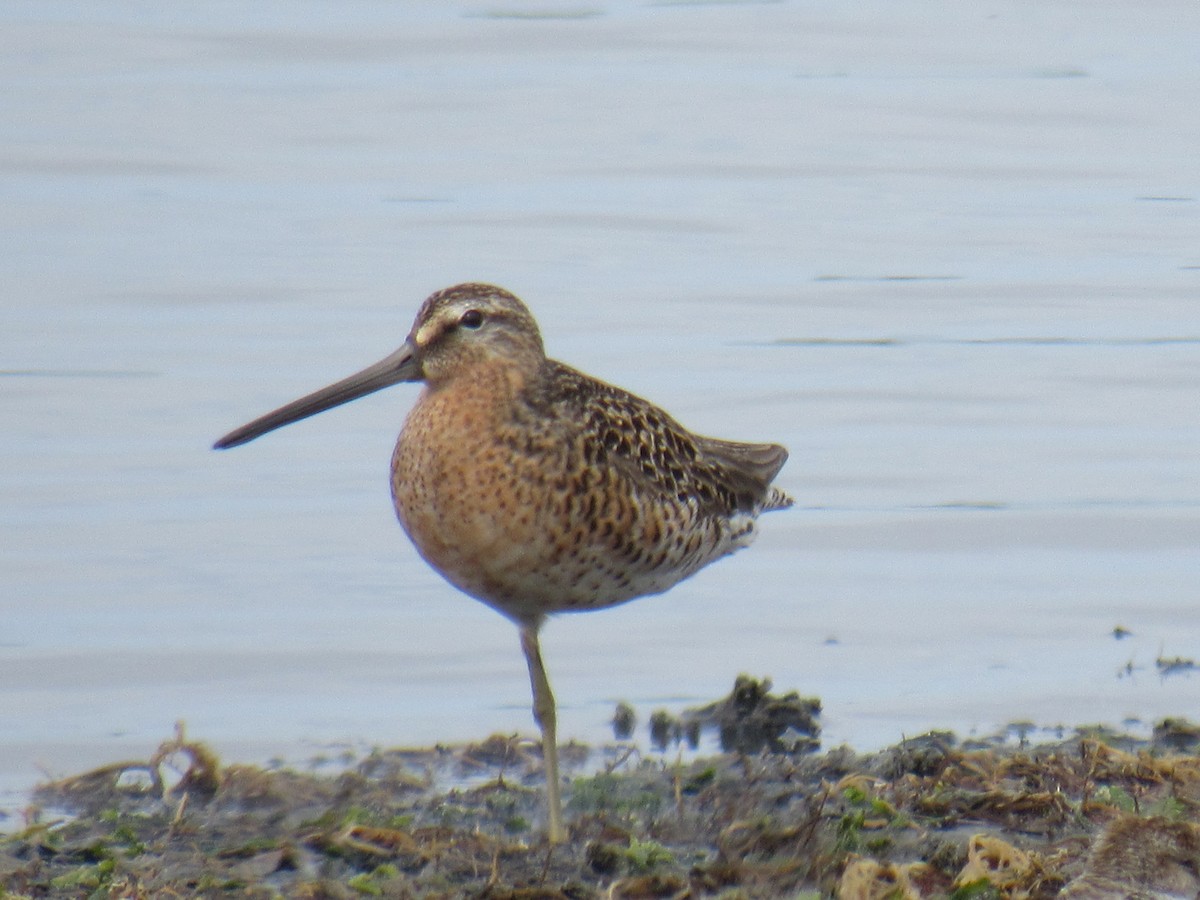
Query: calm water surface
x=948 y=253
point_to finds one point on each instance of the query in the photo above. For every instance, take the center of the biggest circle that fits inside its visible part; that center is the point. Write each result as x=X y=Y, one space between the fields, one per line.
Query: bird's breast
x=509 y=508
x=467 y=498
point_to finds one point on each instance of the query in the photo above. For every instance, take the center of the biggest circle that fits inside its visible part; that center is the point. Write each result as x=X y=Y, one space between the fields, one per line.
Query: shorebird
x=537 y=489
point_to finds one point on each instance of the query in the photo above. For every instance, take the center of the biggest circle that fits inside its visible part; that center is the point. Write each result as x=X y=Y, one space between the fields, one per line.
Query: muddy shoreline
x=1098 y=814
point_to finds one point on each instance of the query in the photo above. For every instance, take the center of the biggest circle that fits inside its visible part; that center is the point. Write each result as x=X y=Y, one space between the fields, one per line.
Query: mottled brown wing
x=629 y=433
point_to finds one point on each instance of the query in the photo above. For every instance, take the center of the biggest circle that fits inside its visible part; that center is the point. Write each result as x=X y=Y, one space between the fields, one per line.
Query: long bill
x=399 y=366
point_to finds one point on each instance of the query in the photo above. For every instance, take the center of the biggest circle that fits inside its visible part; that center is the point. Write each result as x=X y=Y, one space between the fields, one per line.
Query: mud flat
x=1097 y=814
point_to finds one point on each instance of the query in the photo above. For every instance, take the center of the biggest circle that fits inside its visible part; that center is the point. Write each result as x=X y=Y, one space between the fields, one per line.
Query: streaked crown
x=472 y=323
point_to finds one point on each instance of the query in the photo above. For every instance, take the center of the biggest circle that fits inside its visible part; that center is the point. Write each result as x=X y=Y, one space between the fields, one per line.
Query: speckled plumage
x=538 y=489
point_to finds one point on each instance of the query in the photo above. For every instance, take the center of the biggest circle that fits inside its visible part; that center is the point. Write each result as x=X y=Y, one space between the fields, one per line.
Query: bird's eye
x=472 y=318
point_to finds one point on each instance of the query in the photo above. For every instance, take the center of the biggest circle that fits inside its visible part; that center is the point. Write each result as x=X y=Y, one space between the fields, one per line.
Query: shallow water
x=949 y=254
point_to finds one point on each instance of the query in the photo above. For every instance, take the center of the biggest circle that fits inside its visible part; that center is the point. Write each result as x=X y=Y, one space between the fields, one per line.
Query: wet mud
x=1096 y=814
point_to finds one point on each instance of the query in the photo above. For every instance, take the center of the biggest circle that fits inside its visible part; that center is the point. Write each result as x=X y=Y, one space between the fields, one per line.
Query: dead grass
x=928 y=817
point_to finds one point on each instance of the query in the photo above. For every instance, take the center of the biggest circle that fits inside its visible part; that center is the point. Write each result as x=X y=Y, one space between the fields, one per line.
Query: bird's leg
x=544 y=715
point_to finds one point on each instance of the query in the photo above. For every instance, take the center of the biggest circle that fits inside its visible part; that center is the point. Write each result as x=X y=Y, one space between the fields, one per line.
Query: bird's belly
x=505 y=530
x=522 y=562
